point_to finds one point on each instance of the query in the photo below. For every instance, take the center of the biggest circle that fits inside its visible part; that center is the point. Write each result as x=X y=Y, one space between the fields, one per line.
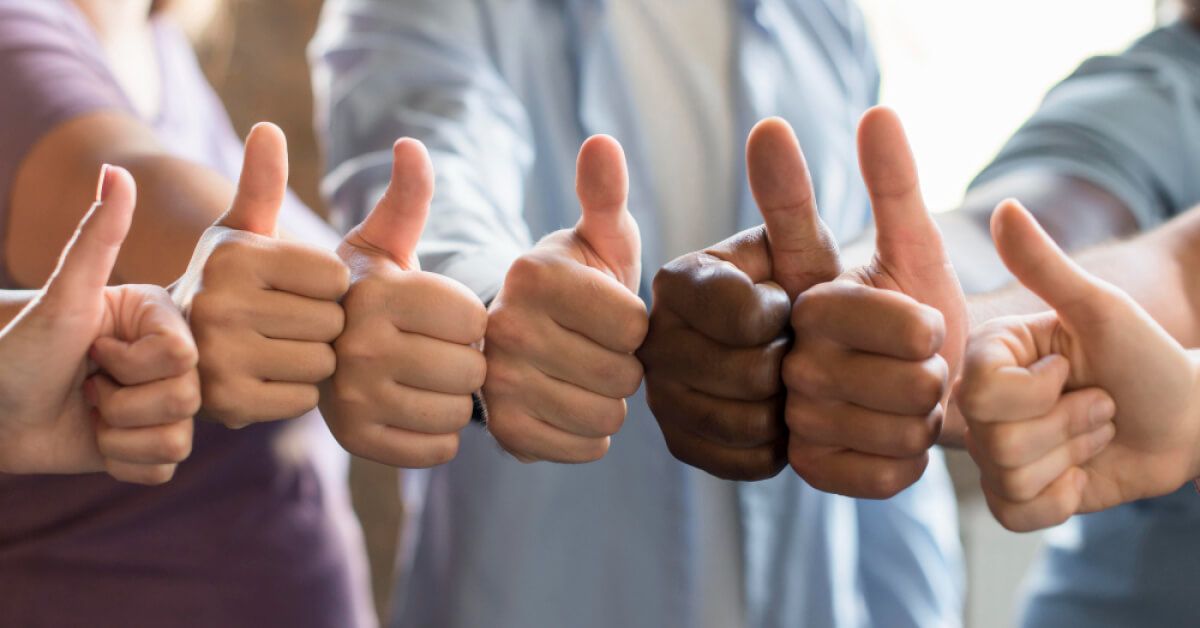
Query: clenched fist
x=1078 y=409
x=408 y=360
x=876 y=348
x=132 y=418
x=562 y=331
x=264 y=311
x=719 y=325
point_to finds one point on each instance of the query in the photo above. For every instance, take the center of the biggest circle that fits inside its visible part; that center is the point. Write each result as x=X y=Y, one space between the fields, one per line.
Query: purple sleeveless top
x=256 y=528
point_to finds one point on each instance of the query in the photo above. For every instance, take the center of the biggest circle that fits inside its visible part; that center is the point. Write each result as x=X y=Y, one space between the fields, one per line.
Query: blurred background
x=962 y=73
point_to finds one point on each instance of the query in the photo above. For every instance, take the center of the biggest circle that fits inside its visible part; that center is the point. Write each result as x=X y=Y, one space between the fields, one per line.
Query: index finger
x=159 y=346
x=717 y=299
x=303 y=270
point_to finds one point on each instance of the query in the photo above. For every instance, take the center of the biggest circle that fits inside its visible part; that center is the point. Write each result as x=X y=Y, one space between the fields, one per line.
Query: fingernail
x=1101 y=411
x=89 y=392
x=102 y=184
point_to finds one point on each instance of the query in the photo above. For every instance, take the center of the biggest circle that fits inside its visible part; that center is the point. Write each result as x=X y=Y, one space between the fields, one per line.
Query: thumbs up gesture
x=876 y=348
x=1078 y=409
x=562 y=331
x=58 y=413
x=264 y=311
x=847 y=385
x=407 y=364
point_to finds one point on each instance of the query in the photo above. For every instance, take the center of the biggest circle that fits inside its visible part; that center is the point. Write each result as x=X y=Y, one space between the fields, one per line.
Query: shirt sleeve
x=51 y=70
x=1128 y=124
x=423 y=69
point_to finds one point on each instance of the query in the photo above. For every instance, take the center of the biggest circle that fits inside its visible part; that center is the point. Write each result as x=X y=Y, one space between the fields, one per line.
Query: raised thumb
x=87 y=262
x=396 y=223
x=602 y=184
x=262 y=185
x=803 y=252
x=907 y=238
x=1037 y=262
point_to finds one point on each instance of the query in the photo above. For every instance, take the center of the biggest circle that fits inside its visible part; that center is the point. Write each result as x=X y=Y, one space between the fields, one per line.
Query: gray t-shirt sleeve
x=1128 y=123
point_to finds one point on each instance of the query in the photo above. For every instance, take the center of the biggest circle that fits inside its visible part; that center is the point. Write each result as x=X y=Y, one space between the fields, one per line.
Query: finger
x=882 y=322
x=1025 y=483
x=730 y=373
x=720 y=301
x=1008 y=393
x=88 y=260
x=287 y=316
x=247 y=402
x=399 y=448
x=302 y=270
x=396 y=223
x=602 y=184
x=566 y=355
x=432 y=364
x=906 y=235
x=728 y=463
x=803 y=252
x=727 y=422
x=160 y=444
x=1011 y=445
x=157 y=403
x=262 y=185
x=293 y=361
x=572 y=409
x=1037 y=262
x=852 y=473
x=459 y=317
x=163 y=346
x=146 y=474
x=860 y=429
x=581 y=299
x=1055 y=505
x=530 y=439
x=405 y=407
x=895 y=386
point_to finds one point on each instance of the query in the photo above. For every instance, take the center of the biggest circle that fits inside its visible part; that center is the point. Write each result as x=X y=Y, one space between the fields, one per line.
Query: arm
x=449 y=95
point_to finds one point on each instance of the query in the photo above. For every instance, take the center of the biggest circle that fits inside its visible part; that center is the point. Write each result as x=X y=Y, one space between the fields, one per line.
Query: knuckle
x=925 y=332
x=626 y=377
x=176 y=443
x=527 y=275
x=1005 y=445
x=477 y=371
x=325 y=360
x=929 y=384
x=1015 y=486
x=802 y=374
x=353 y=347
x=889 y=480
x=916 y=438
x=609 y=417
x=506 y=328
x=184 y=399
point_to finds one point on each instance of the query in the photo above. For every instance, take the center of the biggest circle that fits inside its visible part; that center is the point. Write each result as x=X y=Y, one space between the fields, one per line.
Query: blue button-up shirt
x=503 y=92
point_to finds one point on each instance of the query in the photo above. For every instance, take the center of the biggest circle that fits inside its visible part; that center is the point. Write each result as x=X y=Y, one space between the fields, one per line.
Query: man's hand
x=407 y=360
x=562 y=331
x=263 y=310
x=1079 y=409
x=133 y=418
x=875 y=349
x=719 y=323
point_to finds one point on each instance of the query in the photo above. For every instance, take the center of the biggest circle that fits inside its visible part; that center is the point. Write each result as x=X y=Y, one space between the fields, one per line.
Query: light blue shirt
x=503 y=92
x=1130 y=124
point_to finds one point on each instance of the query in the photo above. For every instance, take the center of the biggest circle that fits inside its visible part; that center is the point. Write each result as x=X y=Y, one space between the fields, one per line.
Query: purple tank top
x=255 y=529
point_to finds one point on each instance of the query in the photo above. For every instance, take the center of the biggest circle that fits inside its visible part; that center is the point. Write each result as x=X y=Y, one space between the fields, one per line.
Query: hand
x=875 y=349
x=1038 y=393
x=562 y=331
x=719 y=324
x=406 y=364
x=263 y=310
x=134 y=418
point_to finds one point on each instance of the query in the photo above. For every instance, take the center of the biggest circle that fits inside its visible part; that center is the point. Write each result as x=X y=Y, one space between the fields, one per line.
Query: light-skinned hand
x=562 y=331
x=264 y=310
x=132 y=418
x=408 y=360
x=1077 y=409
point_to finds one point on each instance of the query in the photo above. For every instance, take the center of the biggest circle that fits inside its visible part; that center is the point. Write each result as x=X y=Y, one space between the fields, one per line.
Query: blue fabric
x=1130 y=124
x=503 y=92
